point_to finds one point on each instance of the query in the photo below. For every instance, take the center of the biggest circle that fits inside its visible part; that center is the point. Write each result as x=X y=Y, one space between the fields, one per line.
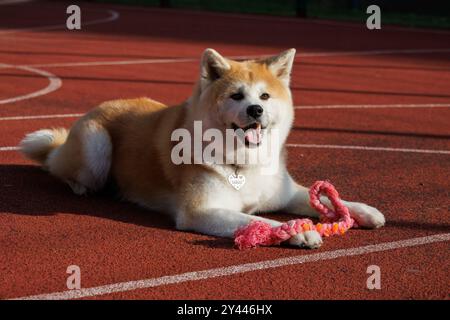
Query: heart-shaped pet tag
x=237 y=181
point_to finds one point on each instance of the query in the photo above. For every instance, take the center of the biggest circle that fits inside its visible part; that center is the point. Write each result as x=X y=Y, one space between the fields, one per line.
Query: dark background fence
x=414 y=13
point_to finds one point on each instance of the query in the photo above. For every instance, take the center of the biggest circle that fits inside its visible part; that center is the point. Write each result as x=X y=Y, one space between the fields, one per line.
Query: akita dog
x=130 y=142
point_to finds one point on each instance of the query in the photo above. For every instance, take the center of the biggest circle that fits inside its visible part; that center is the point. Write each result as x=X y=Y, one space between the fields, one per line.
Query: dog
x=131 y=142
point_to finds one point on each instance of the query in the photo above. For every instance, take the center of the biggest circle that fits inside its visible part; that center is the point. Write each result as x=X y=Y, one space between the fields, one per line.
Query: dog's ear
x=213 y=66
x=281 y=65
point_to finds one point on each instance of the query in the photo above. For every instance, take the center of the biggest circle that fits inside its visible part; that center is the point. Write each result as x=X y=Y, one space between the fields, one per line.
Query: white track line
x=44 y=116
x=375 y=106
x=329 y=146
x=178 y=60
x=366 y=148
x=373 y=52
x=9 y=2
x=128 y=62
x=237 y=269
x=113 y=15
x=54 y=84
x=9 y=148
x=291 y=145
x=318 y=107
x=114 y=63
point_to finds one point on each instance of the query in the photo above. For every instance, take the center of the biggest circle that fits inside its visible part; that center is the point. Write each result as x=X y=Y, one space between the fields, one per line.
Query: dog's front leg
x=298 y=203
x=224 y=223
x=217 y=222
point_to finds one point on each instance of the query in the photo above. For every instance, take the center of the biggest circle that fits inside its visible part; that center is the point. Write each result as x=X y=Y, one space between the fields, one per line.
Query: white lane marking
x=318 y=107
x=44 y=116
x=113 y=15
x=9 y=148
x=365 y=148
x=305 y=54
x=114 y=63
x=237 y=269
x=9 y=2
x=373 y=52
x=128 y=62
x=330 y=146
x=54 y=84
x=376 y=106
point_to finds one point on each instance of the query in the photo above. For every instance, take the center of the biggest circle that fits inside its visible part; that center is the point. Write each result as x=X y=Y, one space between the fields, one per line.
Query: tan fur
x=140 y=131
x=198 y=196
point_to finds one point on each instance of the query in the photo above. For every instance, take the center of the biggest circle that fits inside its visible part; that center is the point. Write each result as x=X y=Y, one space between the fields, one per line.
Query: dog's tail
x=38 y=145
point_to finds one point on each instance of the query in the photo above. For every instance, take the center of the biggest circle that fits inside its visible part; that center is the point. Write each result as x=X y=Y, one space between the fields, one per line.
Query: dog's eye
x=264 y=96
x=237 y=96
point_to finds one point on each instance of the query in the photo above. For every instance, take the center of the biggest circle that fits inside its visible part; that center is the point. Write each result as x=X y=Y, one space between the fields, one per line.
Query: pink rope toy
x=259 y=233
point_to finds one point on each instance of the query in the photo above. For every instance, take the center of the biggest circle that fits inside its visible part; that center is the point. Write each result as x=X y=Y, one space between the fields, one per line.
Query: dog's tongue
x=253 y=135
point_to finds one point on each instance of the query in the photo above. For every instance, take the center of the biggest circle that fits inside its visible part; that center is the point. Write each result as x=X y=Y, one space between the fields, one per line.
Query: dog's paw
x=77 y=188
x=366 y=216
x=308 y=239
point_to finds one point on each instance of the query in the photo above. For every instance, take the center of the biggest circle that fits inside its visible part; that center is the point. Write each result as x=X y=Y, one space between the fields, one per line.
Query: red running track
x=44 y=227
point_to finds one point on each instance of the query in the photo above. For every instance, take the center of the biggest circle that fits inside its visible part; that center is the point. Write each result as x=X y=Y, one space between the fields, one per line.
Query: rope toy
x=332 y=222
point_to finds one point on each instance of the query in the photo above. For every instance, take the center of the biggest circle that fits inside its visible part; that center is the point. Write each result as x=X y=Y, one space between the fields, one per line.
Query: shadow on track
x=444 y=227
x=27 y=190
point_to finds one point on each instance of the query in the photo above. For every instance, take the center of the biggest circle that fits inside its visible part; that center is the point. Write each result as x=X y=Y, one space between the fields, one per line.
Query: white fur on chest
x=257 y=190
x=261 y=192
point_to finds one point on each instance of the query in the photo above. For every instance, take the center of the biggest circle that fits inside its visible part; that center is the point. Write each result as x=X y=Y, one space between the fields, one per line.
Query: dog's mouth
x=252 y=133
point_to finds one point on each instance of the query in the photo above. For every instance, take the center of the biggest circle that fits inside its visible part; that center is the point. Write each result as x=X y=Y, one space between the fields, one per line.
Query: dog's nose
x=255 y=111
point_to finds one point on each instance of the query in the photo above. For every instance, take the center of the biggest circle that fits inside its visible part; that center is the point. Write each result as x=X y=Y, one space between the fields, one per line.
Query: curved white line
x=374 y=106
x=113 y=15
x=54 y=84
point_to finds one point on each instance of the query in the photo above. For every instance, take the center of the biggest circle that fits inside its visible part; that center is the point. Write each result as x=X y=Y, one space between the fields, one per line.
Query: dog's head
x=251 y=95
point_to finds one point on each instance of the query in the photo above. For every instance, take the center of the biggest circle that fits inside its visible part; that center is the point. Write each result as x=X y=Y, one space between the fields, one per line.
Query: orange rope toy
x=337 y=221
